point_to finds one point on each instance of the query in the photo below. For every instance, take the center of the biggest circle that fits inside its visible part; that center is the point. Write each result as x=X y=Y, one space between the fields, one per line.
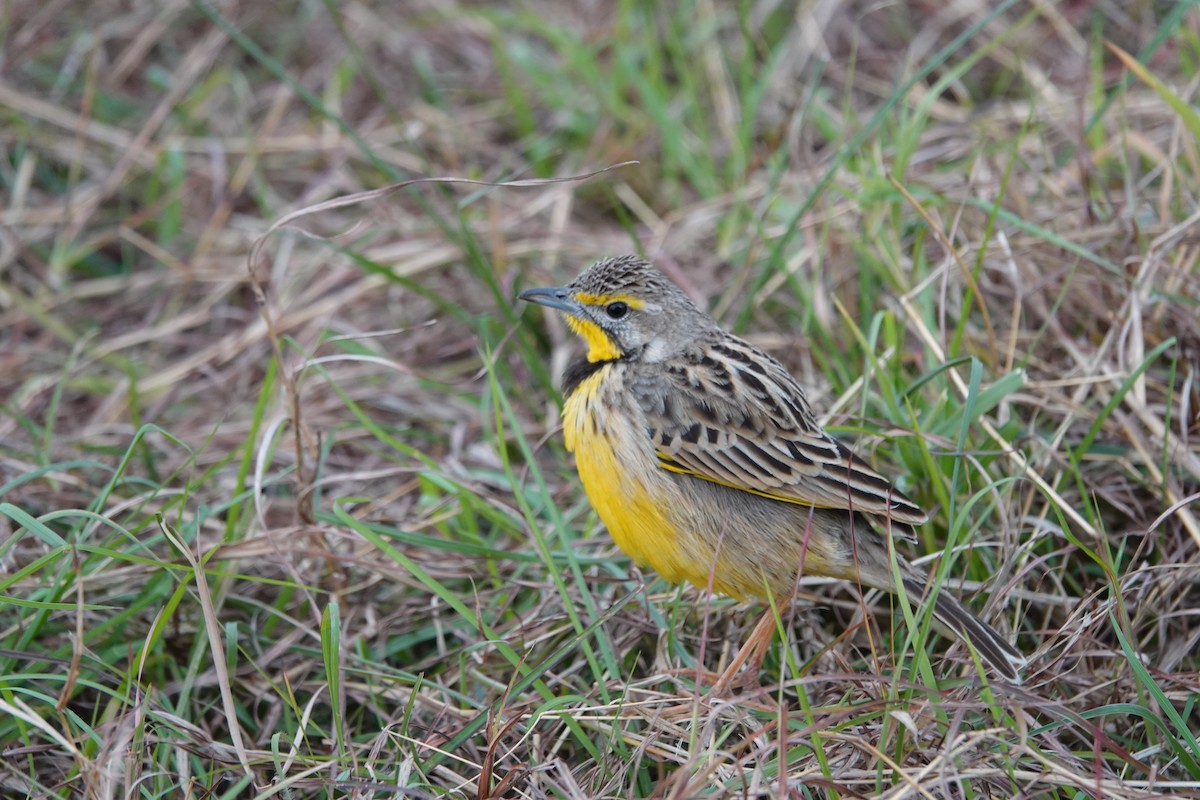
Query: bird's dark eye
x=616 y=310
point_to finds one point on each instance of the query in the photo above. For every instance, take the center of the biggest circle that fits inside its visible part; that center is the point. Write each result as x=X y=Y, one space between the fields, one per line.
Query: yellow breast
x=630 y=493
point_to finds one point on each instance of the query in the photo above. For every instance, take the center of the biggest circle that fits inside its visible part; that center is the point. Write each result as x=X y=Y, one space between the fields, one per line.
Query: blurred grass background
x=303 y=527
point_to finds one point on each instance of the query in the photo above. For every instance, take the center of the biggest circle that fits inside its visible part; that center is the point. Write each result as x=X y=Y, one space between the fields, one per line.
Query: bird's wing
x=735 y=416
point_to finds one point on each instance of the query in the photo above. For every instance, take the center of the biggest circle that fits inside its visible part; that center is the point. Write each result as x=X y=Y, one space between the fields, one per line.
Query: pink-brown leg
x=753 y=651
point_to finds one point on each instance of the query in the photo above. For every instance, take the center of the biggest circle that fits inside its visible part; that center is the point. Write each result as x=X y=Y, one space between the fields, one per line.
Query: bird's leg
x=755 y=648
x=754 y=651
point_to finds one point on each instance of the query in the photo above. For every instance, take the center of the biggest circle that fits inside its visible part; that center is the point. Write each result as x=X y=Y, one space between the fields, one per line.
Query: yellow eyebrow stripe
x=605 y=299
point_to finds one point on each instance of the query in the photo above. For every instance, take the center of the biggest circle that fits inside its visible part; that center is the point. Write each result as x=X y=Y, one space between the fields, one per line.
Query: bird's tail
x=993 y=648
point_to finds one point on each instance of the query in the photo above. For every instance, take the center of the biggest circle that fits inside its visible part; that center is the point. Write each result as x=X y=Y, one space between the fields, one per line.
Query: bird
x=704 y=459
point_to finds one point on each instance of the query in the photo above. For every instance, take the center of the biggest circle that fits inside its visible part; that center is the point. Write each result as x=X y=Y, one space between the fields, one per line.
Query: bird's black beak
x=557 y=297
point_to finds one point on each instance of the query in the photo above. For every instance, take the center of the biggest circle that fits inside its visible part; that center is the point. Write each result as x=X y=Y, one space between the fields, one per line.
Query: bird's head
x=623 y=307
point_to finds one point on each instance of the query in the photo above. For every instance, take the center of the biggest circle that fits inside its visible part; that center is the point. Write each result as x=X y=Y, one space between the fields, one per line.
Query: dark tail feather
x=993 y=648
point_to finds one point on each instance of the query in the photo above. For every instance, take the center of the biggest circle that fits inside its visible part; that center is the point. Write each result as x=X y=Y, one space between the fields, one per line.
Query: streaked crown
x=629 y=275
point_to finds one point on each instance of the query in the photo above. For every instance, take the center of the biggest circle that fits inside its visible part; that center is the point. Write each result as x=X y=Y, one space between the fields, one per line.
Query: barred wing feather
x=765 y=441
